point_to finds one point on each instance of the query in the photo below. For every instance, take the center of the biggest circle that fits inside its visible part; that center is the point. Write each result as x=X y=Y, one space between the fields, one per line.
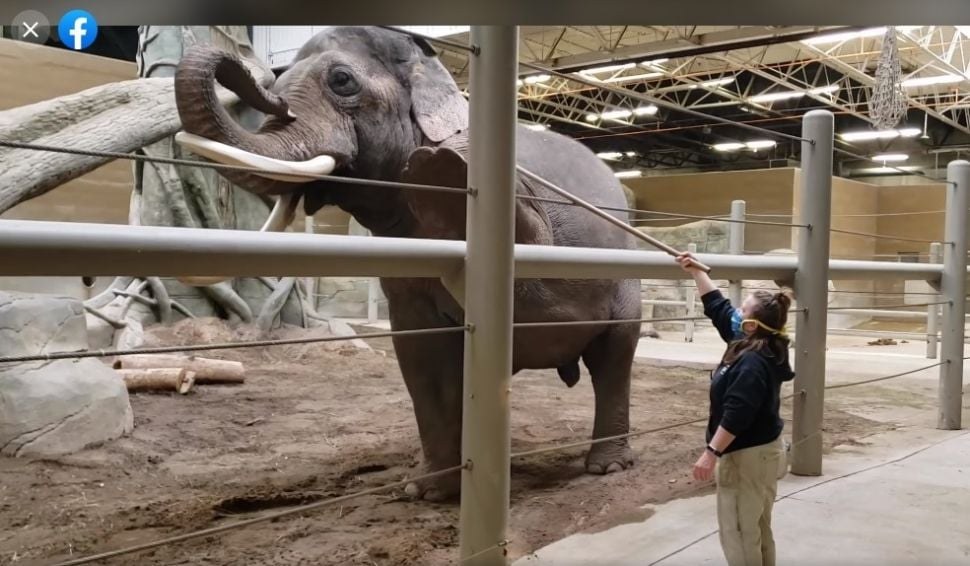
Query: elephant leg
x=609 y=359
x=432 y=371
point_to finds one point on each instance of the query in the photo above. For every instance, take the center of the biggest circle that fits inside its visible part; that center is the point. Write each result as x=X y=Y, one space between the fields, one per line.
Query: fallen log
x=158 y=379
x=207 y=370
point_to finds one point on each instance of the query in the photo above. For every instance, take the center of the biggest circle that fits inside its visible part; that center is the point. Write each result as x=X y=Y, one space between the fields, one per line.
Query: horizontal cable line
x=225 y=345
x=865 y=381
x=659 y=102
x=889 y=307
x=590 y=442
x=337 y=179
x=496 y=546
x=672 y=215
x=914 y=173
x=883 y=236
x=473 y=49
x=224 y=167
x=874 y=214
x=605 y=322
x=914 y=213
x=261 y=519
x=862 y=333
x=723 y=219
x=886 y=294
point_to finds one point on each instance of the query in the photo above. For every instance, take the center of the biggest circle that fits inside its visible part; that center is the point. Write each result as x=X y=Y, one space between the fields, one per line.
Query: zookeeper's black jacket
x=746 y=394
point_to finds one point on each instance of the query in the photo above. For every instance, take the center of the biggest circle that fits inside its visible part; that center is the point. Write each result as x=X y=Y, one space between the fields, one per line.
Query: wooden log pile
x=173 y=372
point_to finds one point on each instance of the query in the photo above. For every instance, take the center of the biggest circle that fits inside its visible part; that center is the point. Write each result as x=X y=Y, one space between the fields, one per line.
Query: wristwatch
x=714 y=451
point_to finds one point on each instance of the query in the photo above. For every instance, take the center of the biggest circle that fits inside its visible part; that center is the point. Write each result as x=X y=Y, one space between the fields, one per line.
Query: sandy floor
x=312 y=423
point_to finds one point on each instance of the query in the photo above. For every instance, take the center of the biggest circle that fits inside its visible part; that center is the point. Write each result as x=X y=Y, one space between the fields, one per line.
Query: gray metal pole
x=933 y=311
x=811 y=286
x=309 y=226
x=953 y=286
x=489 y=276
x=736 y=247
x=691 y=297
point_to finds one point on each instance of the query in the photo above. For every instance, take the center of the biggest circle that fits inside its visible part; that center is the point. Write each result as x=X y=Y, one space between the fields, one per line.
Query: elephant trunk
x=215 y=135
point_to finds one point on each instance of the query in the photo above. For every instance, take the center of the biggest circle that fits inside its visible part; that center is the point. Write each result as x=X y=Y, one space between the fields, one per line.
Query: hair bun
x=784 y=297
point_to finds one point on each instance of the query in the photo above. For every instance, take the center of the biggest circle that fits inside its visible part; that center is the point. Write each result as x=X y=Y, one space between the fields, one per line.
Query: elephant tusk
x=283 y=213
x=277 y=169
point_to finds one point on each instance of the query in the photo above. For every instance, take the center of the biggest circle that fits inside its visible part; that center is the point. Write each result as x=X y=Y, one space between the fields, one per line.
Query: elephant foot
x=440 y=489
x=609 y=457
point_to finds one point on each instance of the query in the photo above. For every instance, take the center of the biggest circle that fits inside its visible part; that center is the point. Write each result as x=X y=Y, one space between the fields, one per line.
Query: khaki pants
x=747 y=482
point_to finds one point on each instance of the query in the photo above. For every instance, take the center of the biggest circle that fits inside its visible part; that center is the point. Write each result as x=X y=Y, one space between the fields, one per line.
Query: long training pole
x=953 y=286
x=607 y=216
x=811 y=287
x=489 y=274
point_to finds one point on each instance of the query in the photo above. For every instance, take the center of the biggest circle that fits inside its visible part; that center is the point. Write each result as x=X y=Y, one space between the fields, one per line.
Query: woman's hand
x=686 y=261
x=704 y=467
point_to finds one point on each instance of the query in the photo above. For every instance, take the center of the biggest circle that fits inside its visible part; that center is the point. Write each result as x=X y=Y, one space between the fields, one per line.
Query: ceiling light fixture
x=609 y=155
x=728 y=146
x=628 y=174
x=885 y=157
x=880 y=134
x=537 y=127
x=621 y=114
x=775 y=96
x=607 y=69
x=533 y=79
x=646 y=110
x=846 y=36
x=930 y=81
x=627 y=78
x=760 y=144
x=753 y=145
x=616 y=114
x=713 y=83
x=789 y=94
x=887 y=169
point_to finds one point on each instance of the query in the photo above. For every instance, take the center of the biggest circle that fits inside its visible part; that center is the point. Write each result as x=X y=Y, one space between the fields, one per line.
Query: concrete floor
x=897 y=498
x=901 y=499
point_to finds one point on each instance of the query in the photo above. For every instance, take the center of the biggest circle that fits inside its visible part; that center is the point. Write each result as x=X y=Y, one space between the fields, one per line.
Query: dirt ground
x=312 y=423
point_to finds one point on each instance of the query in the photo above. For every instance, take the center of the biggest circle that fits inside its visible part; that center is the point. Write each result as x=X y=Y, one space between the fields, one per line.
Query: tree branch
x=122 y=117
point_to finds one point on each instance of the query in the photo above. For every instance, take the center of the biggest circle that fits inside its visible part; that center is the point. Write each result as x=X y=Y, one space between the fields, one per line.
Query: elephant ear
x=436 y=103
x=440 y=216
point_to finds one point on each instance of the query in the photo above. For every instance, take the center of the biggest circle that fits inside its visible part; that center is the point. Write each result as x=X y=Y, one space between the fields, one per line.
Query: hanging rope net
x=888 y=104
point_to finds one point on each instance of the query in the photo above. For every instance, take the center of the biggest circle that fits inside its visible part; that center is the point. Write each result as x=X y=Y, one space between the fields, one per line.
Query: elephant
x=373 y=104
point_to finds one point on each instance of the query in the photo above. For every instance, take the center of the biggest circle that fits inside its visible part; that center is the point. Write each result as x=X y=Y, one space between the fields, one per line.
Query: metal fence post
x=953 y=286
x=691 y=296
x=811 y=287
x=933 y=311
x=373 y=291
x=736 y=247
x=309 y=226
x=489 y=276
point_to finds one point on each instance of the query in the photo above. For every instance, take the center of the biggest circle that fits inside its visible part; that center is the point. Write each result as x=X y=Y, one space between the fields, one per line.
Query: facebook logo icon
x=77 y=29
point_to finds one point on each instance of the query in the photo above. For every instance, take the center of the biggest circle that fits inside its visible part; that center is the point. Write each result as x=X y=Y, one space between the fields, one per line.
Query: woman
x=744 y=428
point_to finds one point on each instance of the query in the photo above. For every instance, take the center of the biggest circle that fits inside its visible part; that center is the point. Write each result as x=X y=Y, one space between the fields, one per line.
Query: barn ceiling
x=649 y=83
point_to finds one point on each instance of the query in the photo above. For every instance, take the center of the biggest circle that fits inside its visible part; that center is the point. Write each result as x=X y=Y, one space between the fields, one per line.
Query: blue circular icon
x=77 y=29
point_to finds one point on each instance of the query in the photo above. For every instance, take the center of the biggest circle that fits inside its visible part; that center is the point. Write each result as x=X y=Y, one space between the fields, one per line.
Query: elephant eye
x=342 y=82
